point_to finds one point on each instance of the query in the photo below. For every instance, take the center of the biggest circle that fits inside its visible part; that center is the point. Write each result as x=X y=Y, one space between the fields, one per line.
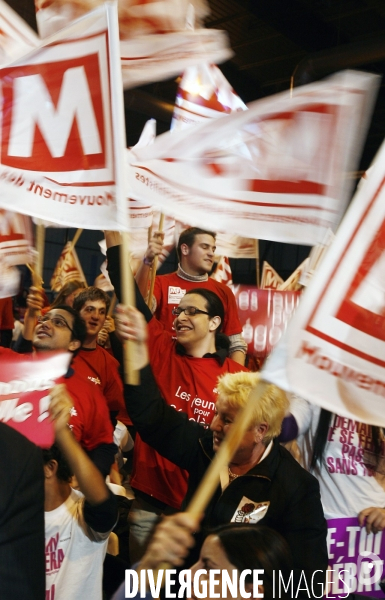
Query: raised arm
x=154 y=248
x=90 y=480
x=169 y=432
x=113 y=241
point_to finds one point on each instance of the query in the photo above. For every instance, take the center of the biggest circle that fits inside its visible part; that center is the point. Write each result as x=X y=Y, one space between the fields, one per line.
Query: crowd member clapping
x=262 y=480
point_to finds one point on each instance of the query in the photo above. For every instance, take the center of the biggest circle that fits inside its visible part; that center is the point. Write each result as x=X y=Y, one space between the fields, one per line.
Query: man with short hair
x=186 y=372
x=76 y=526
x=62 y=328
x=92 y=361
x=196 y=251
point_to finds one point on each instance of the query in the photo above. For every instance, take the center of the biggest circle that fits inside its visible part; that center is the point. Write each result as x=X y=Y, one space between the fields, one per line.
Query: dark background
x=274 y=42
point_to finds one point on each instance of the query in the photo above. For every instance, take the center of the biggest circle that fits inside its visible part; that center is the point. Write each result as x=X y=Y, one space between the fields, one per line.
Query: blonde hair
x=271 y=407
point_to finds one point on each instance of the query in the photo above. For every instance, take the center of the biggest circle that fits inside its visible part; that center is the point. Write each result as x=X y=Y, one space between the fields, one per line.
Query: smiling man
x=196 y=251
x=186 y=371
x=62 y=329
x=92 y=361
x=261 y=483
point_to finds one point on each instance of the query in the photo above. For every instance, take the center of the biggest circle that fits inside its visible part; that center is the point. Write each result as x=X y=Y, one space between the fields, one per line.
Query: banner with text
x=275 y=171
x=356 y=559
x=59 y=159
x=25 y=382
x=333 y=351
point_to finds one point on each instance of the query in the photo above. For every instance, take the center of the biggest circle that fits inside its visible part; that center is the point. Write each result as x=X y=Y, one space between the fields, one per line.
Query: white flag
x=275 y=171
x=158 y=39
x=333 y=352
x=60 y=154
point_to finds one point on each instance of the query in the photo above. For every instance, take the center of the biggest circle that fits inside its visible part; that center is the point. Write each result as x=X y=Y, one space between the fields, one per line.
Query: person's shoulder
x=222 y=289
x=231 y=366
x=108 y=357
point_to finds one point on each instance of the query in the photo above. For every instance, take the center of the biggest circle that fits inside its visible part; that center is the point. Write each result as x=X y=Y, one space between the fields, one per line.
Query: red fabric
x=91 y=425
x=188 y=384
x=231 y=325
x=101 y=369
x=6 y=313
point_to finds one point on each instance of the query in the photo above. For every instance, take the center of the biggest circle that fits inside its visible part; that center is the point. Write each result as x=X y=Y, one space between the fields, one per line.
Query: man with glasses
x=196 y=251
x=63 y=329
x=186 y=371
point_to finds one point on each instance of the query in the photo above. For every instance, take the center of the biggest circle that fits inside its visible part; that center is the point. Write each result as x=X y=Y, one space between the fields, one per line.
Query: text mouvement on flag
x=58 y=160
x=333 y=352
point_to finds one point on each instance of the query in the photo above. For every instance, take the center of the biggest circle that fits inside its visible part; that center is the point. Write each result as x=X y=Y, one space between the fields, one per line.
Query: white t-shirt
x=74 y=553
x=347 y=486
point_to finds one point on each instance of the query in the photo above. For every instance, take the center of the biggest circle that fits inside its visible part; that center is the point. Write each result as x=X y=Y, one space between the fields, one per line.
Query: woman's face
x=221 y=424
x=70 y=299
x=213 y=556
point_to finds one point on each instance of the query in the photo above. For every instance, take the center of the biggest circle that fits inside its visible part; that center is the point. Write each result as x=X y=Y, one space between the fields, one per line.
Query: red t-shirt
x=100 y=368
x=170 y=289
x=189 y=385
x=91 y=425
x=6 y=314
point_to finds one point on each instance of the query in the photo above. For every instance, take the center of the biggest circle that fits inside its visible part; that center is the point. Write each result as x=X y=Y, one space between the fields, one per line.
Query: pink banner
x=25 y=382
x=355 y=559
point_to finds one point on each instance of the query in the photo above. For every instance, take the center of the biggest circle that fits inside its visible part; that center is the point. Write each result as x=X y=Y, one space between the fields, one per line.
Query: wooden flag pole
x=154 y=267
x=37 y=274
x=257 y=263
x=131 y=375
x=226 y=451
x=76 y=237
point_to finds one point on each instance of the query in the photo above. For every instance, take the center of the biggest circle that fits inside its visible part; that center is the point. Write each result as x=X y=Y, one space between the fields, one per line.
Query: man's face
x=190 y=330
x=93 y=313
x=55 y=332
x=200 y=256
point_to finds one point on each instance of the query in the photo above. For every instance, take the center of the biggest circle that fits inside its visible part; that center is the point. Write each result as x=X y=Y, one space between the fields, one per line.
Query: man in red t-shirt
x=196 y=250
x=92 y=361
x=62 y=329
x=186 y=371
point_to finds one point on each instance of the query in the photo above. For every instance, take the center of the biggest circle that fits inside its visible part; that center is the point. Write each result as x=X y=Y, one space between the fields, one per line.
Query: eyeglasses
x=189 y=311
x=58 y=322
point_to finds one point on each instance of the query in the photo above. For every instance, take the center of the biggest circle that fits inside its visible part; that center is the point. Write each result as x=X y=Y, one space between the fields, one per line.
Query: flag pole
x=257 y=262
x=227 y=449
x=76 y=237
x=117 y=109
x=37 y=273
x=154 y=266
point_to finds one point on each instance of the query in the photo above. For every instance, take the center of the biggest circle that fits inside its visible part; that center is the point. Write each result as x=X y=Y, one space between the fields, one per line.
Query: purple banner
x=356 y=559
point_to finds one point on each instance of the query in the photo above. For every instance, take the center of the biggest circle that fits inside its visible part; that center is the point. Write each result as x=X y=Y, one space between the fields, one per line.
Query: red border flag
x=275 y=171
x=62 y=146
x=333 y=352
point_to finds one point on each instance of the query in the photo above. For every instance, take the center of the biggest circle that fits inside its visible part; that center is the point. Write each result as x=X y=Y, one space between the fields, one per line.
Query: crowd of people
x=268 y=510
